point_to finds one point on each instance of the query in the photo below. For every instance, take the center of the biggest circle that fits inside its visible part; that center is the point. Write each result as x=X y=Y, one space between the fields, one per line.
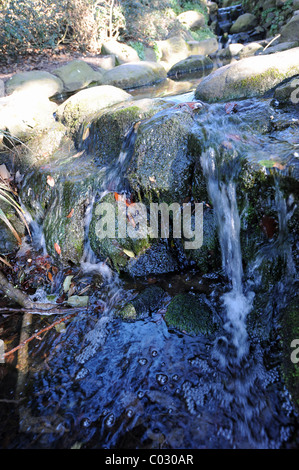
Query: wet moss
x=190 y=314
x=144 y=304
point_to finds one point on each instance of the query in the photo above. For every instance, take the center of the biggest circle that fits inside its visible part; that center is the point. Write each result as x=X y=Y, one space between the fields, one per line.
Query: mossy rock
x=192 y=63
x=290 y=332
x=119 y=250
x=161 y=167
x=128 y=76
x=190 y=314
x=77 y=74
x=104 y=135
x=143 y=305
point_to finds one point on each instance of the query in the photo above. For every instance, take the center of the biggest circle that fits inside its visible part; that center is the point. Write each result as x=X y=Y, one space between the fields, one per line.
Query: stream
x=101 y=382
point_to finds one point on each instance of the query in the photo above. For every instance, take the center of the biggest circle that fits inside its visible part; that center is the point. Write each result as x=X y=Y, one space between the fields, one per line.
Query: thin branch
x=21 y=345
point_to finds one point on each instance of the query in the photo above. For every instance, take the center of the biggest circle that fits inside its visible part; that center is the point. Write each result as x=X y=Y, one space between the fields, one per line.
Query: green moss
x=189 y=313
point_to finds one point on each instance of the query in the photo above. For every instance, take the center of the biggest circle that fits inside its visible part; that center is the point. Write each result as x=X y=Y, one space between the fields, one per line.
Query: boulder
x=36 y=82
x=122 y=52
x=244 y=23
x=206 y=47
x=290 y=32
x=250 y=50
x=192 y=19
x=284 y=46
x=25 y=113
x=143 y=305
x=172 y=50
x=77 y=75
x=249 y=77
x=132 y=75
x=87 y=103
x=230 y=51
x=162 y=164
x=189 y=313
x=192 y=63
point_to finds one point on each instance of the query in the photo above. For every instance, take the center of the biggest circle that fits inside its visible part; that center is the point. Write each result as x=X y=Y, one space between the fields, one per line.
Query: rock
x=122 y=52
x=158 y=259
x=284 y=46
x=230 y=51
x=191 y=64
x=24 y=113
x=128 y=76
x=244 y=23
x=192 y=19
x=205 y=47
x=250 y=50
x=8 y=243
x=106 y=62
x=172 y=50
x=77 y=75
x=87 y=103
x=36 y=82
x=212 y=7
x=61 y=207
x=161 y=164
x=190 y=314
x=106 y=132
x=143 y=305
x=290 y=32
x=295 y=4
x=249 y=77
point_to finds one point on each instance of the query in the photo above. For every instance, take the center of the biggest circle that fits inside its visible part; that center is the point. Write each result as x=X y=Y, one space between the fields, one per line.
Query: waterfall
x=222 y=191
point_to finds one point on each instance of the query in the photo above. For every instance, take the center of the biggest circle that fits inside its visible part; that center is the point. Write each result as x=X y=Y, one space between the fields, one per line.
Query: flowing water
x=105 y=383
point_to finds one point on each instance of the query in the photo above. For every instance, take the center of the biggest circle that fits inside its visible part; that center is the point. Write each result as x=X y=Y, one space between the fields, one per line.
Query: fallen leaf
x=67 y=283
x=50 y=181
x=50 y=277
x=129 y=253
x=57 y=248
x=4 y=173
x=152 y=179
x=76 y=301
x=231 y=108
x=279 y=166
x=70 y=215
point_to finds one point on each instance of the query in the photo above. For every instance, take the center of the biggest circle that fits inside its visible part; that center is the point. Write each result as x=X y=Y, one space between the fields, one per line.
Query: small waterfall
x=223 y=195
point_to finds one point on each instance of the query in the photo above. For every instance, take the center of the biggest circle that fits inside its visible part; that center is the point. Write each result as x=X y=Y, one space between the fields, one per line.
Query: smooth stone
x=192 y=19
x=290 y=32
x=122 y=52
x=248 y=77
x=77 y=75
x=244 y=23
x=205 y=47
x=128 y=76
x=36 y=82
x=191 y=64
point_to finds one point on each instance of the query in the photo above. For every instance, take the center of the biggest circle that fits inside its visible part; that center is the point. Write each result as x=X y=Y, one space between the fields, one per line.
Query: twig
x=23 y=343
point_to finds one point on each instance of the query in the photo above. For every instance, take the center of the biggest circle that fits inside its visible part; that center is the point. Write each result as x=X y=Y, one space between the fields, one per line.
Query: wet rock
x=8 y=243
x=190 y=314
x=158 y=259
x=244 y=23
x=193 y=63
x=122 y=52
x=143 y=305
x=290 y=32
x=87 y=103
x=103 y=136
x=162 y=164
x=192 y=19
x=249 y=77
x=134 y=75
x=77 y=75
x=36 y=82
